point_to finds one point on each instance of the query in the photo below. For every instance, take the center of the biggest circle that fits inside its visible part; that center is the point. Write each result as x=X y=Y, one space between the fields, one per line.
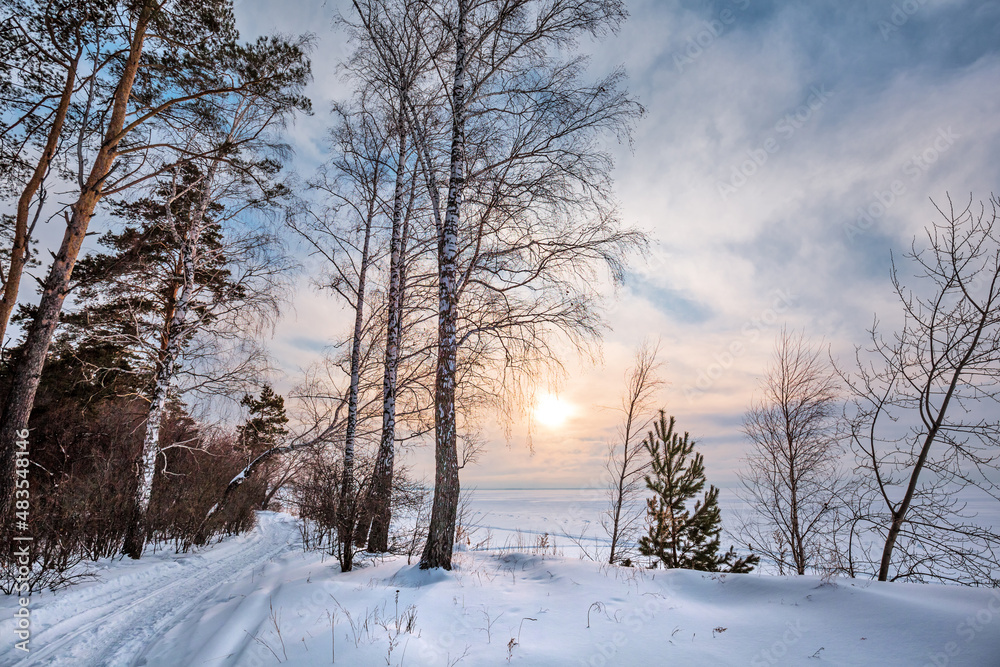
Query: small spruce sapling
x=679 y=537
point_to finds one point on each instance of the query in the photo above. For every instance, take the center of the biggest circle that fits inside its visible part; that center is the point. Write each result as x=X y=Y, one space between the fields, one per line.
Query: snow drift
x=258 y=600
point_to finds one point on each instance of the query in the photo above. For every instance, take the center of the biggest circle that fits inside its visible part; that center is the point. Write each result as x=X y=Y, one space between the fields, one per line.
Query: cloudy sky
x=788 y=148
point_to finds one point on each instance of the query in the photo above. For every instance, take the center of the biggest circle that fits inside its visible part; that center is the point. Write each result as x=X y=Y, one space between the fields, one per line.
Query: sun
x=550 y=410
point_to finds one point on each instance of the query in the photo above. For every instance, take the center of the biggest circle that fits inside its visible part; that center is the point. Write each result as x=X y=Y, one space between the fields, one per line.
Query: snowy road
x=116 y=622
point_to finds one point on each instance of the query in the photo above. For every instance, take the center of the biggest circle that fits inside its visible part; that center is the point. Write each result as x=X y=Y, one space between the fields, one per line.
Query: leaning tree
x=169 y=64
x=922 y=420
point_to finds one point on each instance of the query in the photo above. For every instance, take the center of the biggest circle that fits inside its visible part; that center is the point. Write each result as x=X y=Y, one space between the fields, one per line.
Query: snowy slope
x=256 y=600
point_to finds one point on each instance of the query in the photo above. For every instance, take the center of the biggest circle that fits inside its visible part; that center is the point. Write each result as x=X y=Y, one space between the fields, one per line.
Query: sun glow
x=550 y=410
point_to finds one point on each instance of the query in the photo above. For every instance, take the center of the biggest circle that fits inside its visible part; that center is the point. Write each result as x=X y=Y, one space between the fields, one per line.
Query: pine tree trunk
x=28 y=372
x=674 y=502
x=378 y=504
x=444 y=511
x=19 y=250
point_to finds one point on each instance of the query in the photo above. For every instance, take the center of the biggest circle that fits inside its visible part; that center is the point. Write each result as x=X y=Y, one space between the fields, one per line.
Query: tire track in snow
x=118 y=632
x=124 y=585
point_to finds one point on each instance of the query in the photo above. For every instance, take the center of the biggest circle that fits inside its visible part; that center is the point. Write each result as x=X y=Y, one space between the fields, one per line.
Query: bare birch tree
x=344 y=235
x=791 y=479
x=522 y=158
x=392 y=55
x=505 y=135
x=627 y=459
x=227 y=291
x=183 y=297
x=922 y=421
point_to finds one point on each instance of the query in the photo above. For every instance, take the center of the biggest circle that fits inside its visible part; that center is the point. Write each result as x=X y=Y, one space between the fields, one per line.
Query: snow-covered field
x=509 y=519
x=568 y=519
x=258 y=600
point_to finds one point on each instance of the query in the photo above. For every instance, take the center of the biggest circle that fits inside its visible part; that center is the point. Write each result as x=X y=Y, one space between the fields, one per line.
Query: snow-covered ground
x=258 y=600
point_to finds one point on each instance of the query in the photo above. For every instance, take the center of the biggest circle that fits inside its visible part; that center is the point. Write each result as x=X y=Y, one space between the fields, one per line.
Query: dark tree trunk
x=900 y=513
x=28 y=371
x=19 y=249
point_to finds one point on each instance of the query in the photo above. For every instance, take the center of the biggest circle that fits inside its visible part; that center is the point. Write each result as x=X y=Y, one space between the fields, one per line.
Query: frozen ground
x=257 y=600
x=513 y=519
x=568 y=519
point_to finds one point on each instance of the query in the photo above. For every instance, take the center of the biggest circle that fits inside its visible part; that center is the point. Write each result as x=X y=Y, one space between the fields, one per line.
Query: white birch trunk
x=359 y=319
x=347 y=505
x=444 y=511
x=177 y=332
x=379 y=502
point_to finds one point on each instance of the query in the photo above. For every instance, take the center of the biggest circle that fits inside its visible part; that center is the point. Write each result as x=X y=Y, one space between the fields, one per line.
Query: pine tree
x=159 y=68
x=680 y=537
x=264 y=430
x=265 y=424
x=177 y=295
